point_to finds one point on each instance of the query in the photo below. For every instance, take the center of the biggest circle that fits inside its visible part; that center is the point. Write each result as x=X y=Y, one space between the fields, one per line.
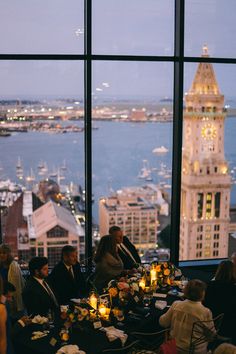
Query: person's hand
x=26 y=320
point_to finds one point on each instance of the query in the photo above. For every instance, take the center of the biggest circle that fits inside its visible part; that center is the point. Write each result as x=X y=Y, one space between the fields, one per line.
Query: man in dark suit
x=66 y=277
x=126 y=249
x=38 y=296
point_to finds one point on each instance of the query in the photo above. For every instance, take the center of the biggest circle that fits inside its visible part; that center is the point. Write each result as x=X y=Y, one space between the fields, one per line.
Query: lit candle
x=142 y=283
x=102 y=310
x=153 y=275
x=93 y=301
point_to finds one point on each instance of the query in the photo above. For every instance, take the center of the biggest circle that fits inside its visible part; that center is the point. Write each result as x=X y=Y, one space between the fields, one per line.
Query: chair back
x=150 y=340
x=122 y=350
x=204 y=332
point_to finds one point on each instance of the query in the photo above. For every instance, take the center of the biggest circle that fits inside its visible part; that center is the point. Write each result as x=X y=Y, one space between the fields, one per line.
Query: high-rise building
x=135 y=215
x=206 y=183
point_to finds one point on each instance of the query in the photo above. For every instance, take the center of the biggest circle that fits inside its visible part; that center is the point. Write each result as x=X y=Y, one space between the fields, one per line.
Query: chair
x=150 y=341
x=122 y=350
x=204 y=331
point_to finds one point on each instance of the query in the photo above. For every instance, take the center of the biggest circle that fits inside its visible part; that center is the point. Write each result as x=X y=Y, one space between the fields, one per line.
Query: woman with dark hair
x=182 y=314
x=221 y=298
x=10 y=272
x=108 y=263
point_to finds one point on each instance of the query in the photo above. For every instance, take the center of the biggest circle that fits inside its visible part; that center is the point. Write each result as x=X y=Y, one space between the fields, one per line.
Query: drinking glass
x=147 y=300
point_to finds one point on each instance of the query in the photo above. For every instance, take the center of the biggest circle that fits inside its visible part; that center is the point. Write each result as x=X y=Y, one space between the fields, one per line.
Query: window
x=200 y=205
x=57 y=231
x=104 y=123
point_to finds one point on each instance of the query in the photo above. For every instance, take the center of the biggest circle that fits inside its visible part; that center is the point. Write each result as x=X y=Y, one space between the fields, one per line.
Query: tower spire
x=205 y=52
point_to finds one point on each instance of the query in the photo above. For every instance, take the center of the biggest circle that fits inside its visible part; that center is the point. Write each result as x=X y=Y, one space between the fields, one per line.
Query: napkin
x=40 y=319
x=159 y=304
x=39 y=334
x=70 y=349
x=114 y=333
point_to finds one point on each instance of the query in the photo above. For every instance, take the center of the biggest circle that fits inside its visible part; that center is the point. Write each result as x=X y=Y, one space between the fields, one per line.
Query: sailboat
x=19 y=169
x=31 y=176
x=64 y=167
x=145 y=172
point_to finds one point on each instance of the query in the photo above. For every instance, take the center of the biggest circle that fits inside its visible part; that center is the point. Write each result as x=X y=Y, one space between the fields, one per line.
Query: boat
x=149 y=178
x=145 y=171
x=40 y=165
x=53 y=173
x=43 y=170
x=4 y=133
x=63 y=167
x=160 y=150
x=19 y=169
x=31 y=176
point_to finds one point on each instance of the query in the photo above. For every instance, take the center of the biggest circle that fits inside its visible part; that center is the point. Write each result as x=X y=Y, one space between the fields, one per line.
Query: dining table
x=140 y=318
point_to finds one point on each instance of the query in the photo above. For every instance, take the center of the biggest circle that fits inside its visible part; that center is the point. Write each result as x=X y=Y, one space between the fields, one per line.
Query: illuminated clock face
x=208 y=132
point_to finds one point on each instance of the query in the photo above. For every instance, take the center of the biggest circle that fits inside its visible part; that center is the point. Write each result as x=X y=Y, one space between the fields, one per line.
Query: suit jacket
x=36 y=298
x=125 y=257
x=64 y=285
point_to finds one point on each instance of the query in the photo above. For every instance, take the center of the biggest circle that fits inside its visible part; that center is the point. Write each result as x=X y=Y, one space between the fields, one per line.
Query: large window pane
x=53 y=27
x=132 y=151
x=210 y=22
x=133 y=27
x=42 y=157
x=208 y=162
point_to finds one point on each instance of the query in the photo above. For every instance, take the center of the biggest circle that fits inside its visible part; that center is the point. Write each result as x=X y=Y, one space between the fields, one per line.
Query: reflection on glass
x=206 y=174
x=132 y=152
x=42 y=27
x=133 y=27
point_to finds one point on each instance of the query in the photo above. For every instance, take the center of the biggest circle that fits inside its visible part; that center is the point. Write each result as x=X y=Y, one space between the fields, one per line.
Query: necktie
x=50 y=293
x=126 y=252
x=71 y=272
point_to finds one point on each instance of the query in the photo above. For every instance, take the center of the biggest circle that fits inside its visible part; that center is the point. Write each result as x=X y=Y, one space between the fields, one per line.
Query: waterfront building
x=16 y=224
x=135 y=215
x=138 y=114
x=206 y=183
x=54 y=227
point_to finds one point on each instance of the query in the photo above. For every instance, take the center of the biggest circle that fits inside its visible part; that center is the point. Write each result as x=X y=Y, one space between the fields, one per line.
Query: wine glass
x=146 y=300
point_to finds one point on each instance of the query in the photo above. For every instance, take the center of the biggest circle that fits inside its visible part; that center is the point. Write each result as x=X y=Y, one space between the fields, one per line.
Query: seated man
x=126 y=249
x=182 y=314
x=38 y=296
x=66 y=277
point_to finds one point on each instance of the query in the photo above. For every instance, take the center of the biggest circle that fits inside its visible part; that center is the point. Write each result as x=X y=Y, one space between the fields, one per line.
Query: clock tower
x=205 y=188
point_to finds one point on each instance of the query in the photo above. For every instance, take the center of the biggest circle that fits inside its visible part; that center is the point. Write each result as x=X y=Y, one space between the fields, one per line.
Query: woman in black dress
x=221 y=298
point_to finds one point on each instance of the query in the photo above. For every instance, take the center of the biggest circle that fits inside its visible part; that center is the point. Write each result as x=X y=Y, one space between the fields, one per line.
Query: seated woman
x=182 y=314
x=221 y=298
x=11 y=272
x=108 y=263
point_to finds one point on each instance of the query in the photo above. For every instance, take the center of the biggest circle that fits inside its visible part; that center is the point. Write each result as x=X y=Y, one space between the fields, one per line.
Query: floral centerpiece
x=165 y=273
x=78 y=315
x=124 y=291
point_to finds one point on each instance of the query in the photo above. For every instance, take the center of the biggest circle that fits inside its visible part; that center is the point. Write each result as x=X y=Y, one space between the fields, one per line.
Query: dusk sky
x=119 y=27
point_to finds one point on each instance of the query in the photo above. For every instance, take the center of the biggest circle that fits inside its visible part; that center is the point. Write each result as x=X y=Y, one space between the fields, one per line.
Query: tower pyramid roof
x=205 y=80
